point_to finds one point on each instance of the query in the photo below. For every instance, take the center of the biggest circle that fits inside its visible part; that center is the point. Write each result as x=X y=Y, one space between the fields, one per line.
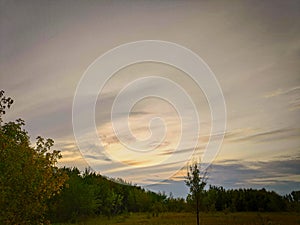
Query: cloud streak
x=257 y=135
x=279 y=175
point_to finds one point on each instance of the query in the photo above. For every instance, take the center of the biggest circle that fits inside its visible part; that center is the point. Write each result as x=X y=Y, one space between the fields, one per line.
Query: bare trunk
x=197 y=210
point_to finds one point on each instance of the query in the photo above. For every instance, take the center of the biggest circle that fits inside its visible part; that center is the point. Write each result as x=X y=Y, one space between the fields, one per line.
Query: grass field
x=206 y=219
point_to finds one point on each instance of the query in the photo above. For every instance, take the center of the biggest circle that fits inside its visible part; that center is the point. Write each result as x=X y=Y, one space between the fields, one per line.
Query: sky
x=252 y=48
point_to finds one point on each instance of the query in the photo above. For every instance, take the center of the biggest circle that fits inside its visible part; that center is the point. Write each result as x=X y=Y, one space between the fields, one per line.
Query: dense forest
x=89 y=194
x=33 y=190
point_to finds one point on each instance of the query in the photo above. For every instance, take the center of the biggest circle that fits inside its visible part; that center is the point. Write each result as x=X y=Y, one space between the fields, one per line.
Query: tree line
x=33 y=190
x=248 y=200
x=87 y=194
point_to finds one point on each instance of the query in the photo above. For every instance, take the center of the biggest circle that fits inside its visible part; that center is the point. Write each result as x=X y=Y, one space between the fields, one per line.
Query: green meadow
x=219 y=218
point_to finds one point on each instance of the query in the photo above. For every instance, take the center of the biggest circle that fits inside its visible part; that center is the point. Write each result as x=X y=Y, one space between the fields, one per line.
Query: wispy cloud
x=280 y=91
x=259 y=135
x=250 y=174
x=279 y=175
x=292 y=94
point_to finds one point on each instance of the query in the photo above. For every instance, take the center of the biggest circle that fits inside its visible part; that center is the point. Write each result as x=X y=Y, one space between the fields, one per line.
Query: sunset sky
x=252 y=47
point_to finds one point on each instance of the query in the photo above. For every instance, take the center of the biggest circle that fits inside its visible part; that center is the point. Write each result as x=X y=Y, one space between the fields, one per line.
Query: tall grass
x=219 y=218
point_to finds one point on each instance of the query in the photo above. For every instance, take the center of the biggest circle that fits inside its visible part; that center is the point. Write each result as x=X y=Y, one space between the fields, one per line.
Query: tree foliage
x=28 y=175
x=245 y=200
x=196 y=181
x=87 y=194
x=5 y=102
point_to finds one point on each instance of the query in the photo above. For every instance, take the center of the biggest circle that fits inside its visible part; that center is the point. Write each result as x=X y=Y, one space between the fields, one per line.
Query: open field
x=253 y=218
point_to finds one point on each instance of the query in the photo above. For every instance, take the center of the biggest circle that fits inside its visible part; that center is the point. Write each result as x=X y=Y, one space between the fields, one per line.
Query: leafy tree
x=293 y=201
x=28 y=175
x=219 y=199
x=108 y=199
x=75 y=201
x=196 y=181
x=5 y=102
x=295 y=196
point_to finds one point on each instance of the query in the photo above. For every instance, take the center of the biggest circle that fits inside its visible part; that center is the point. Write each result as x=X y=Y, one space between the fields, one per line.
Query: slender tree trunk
x=197 y=210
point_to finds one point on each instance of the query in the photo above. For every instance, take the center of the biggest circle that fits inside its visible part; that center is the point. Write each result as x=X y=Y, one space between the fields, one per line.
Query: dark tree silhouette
x=196 y=181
